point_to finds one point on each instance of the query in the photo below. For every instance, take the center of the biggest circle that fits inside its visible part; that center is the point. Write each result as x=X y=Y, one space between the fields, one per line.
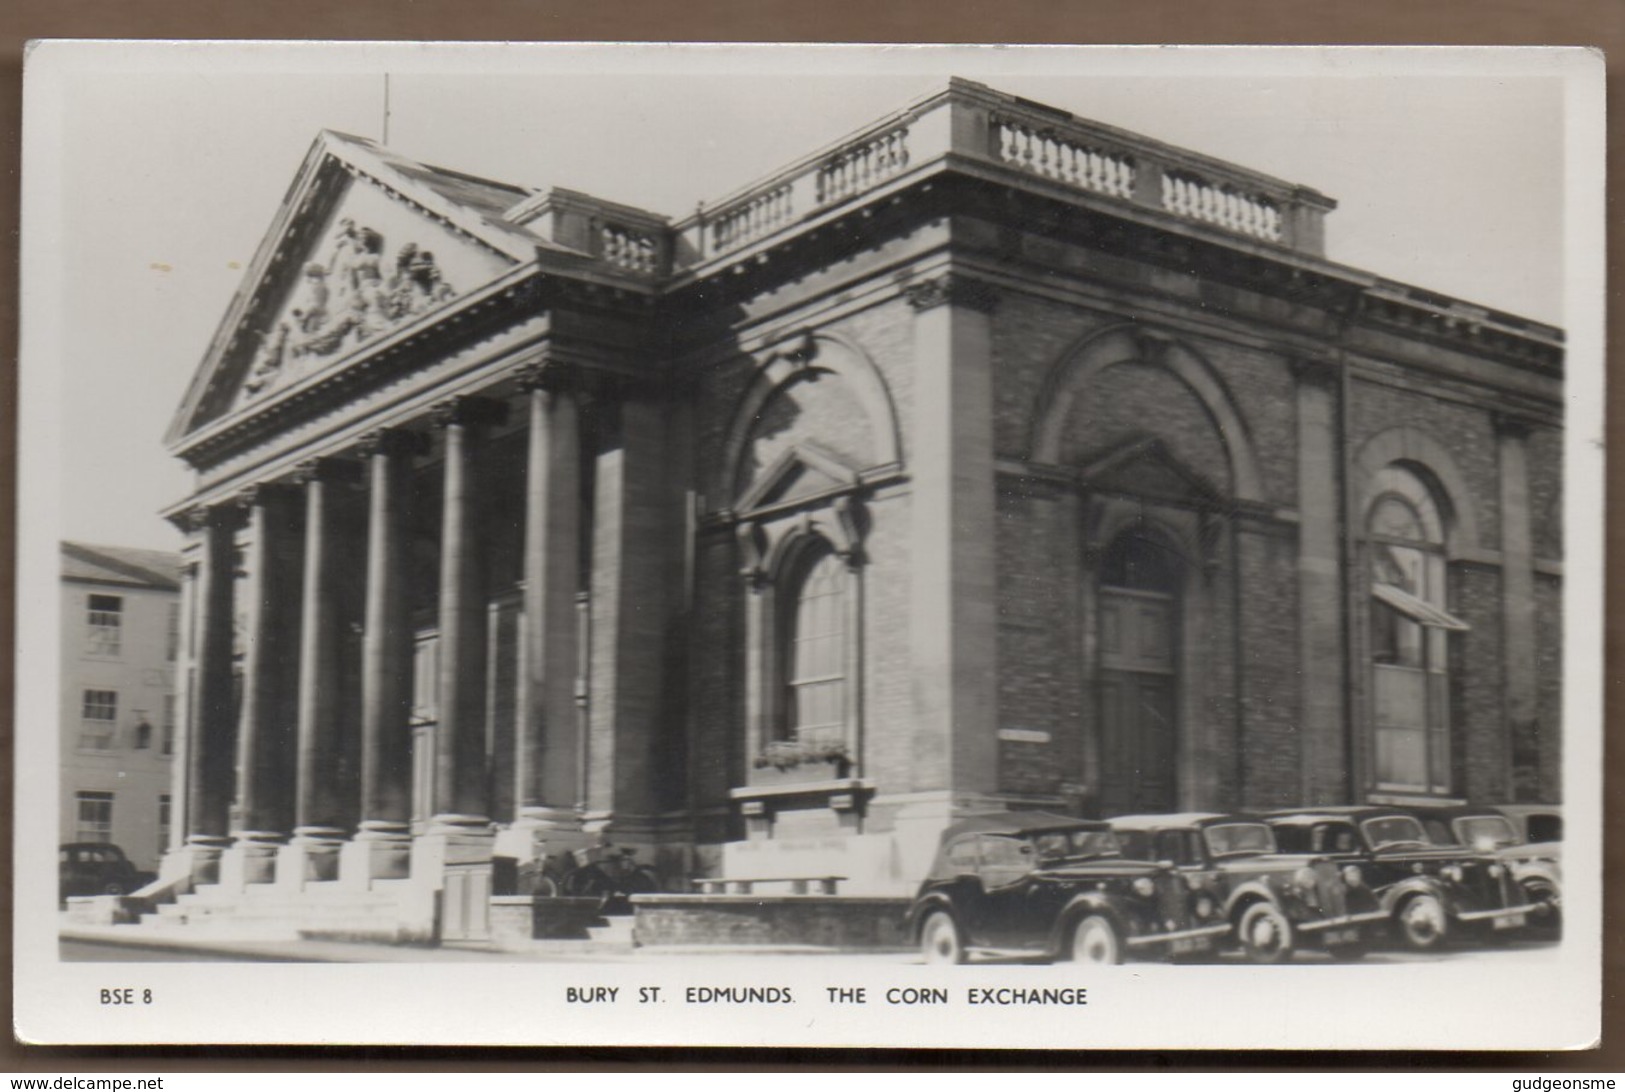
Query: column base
x=381 y=850
x=451 y=840
x=311 y=856
x=251 y=859
x=541 y=832
x=195 y=863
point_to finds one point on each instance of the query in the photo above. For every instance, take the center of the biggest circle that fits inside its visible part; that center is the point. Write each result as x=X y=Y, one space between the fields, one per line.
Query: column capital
x=951 y=288
x=260 y=494
x=201 y=516
x=1322 y=371
x=325 y=468
x=1513 y=426
x=549 y=374
x=391 y=441
x=467 y=410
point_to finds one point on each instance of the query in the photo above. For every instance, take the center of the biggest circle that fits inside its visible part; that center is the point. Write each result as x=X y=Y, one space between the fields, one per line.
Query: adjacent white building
x=120 y=636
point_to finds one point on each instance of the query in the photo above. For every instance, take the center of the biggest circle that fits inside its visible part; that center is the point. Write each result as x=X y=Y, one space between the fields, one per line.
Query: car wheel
x=939 y=939
x=1266 y=934
x=1095 y=940
x=1423 y=924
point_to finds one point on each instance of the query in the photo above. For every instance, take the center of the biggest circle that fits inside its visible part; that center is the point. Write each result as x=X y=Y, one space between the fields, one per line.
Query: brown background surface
x=1596 y=23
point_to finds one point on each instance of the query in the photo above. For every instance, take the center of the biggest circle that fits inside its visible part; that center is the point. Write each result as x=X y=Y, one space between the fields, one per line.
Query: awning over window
x=1417 y=610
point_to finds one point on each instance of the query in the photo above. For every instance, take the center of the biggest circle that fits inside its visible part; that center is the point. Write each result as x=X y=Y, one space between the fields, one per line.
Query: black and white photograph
x=810 y=546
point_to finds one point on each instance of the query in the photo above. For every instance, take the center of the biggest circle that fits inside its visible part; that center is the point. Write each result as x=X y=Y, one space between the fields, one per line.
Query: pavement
x=134 y=943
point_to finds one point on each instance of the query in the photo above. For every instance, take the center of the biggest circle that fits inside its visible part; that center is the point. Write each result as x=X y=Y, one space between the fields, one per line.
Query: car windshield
x=1485 y=832
x=1239 y=840
x=1075 y=845
x=1394 y=830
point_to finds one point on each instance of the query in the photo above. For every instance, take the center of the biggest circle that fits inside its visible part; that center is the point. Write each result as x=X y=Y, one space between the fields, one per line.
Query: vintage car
x=96 y=868
x=1428 y=891
x=1536 y=866
x=1030 y=884
x=1537 y=824
x=1277 y=902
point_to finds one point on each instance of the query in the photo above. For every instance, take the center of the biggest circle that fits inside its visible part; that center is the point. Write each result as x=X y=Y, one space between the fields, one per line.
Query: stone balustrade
x=972 y=126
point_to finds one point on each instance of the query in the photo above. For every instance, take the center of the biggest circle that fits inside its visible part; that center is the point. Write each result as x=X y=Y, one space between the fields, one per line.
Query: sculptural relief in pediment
x=378 y=265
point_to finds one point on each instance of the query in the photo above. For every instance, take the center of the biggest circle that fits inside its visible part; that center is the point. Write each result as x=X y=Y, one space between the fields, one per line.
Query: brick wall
x=1268 y=645
x=1467 y=433
x=1549 y=681
x=1478 y=714
x=1546 y=491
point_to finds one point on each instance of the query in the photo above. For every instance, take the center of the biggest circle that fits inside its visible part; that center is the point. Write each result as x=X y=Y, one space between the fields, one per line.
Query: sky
x=152 y=172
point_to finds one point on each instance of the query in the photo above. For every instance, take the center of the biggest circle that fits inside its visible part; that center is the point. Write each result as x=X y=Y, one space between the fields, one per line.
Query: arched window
x=815 y=640
x=1409 y=634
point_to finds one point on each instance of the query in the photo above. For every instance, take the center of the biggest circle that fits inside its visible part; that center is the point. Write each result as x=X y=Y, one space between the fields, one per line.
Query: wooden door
x=1139 y=687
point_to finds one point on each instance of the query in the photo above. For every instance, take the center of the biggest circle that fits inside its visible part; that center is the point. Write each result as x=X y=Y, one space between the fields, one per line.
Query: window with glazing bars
x=97 y=717
x=104 y=624
x=816 y=712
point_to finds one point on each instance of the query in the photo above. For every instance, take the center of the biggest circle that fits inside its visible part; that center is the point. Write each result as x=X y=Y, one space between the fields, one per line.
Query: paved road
x=92 y=949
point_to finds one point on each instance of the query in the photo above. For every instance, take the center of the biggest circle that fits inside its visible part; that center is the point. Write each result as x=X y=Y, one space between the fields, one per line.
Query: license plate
x=1516 y=921
x=1342 y=936
x=1190 y=944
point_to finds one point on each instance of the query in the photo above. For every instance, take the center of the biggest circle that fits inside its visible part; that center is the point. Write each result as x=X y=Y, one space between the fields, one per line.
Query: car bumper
x=1502 y=917
x=1195 y=938
x=1320 y=924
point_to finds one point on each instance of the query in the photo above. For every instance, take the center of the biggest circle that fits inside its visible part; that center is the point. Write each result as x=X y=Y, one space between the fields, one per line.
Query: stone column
x=207 y=732
x=461 y=828
x=184 y=674
x=266 y=721
x=952 y=623
x=633 y=550
x=1518 y=652
x=381 y=846
x=1322 y=732
x=547 y=747
x=313 y=852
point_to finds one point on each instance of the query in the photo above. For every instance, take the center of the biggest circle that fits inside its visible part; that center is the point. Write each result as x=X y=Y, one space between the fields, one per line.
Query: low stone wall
x=823 y=921
x=106 y=909
x=518 y=919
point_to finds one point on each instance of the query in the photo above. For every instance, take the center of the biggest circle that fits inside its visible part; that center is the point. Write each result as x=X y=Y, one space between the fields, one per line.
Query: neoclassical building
x=989 y=458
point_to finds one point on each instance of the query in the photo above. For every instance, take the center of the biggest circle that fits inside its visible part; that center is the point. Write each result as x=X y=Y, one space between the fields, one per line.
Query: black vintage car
x=96 y=868
x=1035 y=885
x=1277 y=902
x=1429 y=892
x=1537 y=867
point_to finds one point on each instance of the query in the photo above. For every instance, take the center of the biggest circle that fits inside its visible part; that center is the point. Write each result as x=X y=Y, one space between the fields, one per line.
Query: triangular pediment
x=365 y=244
x=802 y=470
x=1145 y=467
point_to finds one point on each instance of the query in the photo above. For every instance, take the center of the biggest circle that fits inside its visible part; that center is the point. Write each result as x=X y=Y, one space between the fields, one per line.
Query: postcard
x=810 y=546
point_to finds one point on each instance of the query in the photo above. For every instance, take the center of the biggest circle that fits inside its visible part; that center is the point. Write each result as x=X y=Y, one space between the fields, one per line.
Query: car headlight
x=1195 y=881
x=1204 y=907
x=1495 y=871
x=1144 y=888
x=1304 y=879
x=1353 y=876
x=1452 y=873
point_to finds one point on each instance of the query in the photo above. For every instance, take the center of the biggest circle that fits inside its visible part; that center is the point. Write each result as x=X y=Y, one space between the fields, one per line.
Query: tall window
x=163 y=824
x=104 y=624
x=95 y=817
x=1410 y=628
x=173 y=642
x=815 y=653
x=97 y=718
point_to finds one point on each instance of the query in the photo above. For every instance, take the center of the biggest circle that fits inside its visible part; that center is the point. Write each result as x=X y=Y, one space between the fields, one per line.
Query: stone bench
x=799 y=885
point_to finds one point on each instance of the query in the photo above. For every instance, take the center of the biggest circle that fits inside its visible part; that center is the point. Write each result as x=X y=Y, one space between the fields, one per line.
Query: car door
x=1006 y=868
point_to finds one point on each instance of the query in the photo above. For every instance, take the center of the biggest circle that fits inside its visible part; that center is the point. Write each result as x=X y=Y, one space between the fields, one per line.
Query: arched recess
x=1416 y=450
x=1075 y=371
x=790 y=360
